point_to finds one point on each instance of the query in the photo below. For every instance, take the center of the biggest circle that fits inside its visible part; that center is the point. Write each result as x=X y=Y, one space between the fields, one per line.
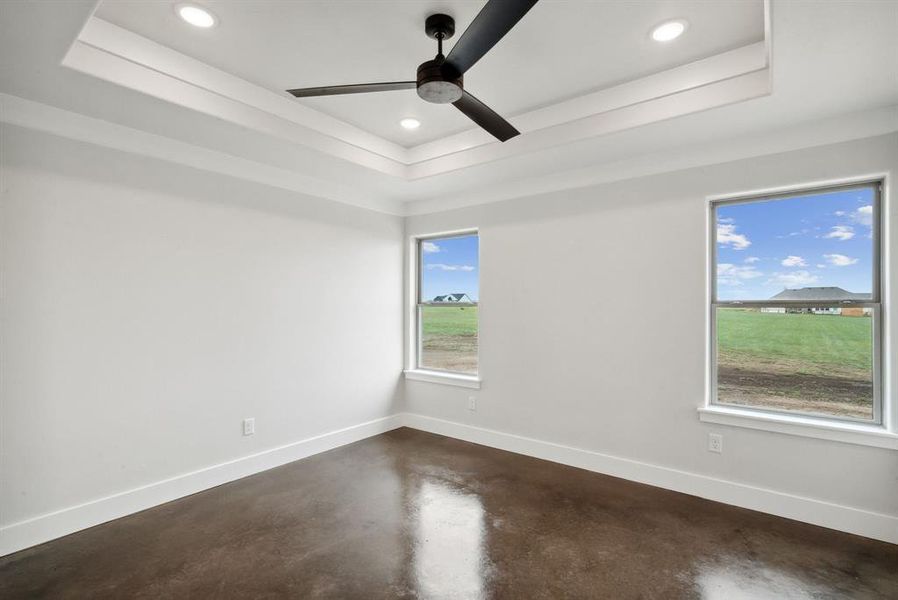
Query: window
x=447 y=303
x=795 y=303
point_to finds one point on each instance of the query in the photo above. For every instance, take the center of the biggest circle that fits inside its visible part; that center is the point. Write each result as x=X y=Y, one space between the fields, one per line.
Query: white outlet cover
x=715 y=443
x=472 y=402
x=249 y=426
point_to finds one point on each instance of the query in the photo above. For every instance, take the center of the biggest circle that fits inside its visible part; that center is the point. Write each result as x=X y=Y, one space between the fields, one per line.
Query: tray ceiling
x=66 y=71
x=559 y=51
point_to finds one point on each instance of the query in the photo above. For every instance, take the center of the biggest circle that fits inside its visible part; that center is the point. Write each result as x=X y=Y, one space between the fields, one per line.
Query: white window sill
x=850 y=433
x=465 y=381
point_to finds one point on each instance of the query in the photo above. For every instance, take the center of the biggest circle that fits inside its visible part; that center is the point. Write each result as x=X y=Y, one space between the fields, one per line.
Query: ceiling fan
x=441 y=80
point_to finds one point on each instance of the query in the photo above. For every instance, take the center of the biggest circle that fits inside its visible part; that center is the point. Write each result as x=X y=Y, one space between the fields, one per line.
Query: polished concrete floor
x=413 y=515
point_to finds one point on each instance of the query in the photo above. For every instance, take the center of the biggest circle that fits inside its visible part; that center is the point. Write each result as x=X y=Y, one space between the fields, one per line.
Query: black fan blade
x=359 y=88
x=484 y=116
x=488 y=27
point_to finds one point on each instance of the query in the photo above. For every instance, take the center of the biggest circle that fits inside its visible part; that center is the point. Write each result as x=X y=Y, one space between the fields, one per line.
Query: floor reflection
x=741 y=581
x=413 y=515
x=449 y=556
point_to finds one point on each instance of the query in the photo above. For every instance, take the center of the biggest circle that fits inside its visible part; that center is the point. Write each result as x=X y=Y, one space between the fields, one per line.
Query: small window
x=448 y=274
x=795 y=309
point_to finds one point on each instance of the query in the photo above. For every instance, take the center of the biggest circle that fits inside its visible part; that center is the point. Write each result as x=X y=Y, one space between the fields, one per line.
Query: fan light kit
x=410 y=123
x=196 y=15
x=441 y=80
x=669 y=30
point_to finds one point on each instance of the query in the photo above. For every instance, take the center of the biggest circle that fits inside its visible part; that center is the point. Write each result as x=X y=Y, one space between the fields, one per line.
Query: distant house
x=810 y=294
x=453 y=299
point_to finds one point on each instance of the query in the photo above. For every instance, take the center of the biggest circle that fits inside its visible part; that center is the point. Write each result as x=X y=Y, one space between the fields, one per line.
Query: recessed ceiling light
x=196 y=15
x=669 y=30
x=410 y=123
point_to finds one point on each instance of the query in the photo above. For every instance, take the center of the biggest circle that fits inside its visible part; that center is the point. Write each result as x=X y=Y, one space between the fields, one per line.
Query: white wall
x=148 y=308
x=593 y=327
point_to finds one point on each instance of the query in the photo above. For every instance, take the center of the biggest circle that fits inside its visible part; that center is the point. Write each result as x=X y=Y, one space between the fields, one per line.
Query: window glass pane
x=450 y=292
x=808 y=360
x=450 y=269
x=801 y=248
x=449 y=338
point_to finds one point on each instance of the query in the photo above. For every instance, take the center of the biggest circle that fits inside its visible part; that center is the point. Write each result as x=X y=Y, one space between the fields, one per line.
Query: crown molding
x=141 y=51
x=101 y=64
x=843 y=128
x=714 y=95
x=42 y=117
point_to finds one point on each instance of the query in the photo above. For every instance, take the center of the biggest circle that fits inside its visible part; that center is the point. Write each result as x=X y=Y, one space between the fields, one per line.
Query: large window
x=795 y=307
x=448 y=301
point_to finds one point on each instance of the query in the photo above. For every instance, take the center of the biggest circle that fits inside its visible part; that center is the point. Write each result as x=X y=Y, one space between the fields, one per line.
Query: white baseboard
x=44 y=528
x=817 y=512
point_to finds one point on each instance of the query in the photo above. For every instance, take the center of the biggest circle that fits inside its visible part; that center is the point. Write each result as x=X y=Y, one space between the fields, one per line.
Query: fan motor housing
x=437 y=85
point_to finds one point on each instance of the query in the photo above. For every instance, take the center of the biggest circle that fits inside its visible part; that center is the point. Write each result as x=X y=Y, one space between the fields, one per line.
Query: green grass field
x=796 y=362
x=450 y=320
x=820 y=341
x=799 y=362
x=449 y=338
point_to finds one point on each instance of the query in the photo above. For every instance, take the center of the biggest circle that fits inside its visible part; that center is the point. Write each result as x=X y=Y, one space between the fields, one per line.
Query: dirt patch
x=450 y=353
x=780 y=385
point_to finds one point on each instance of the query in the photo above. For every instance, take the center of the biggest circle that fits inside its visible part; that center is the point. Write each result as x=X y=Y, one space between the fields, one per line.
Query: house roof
x=820 y=293
x=456 y=297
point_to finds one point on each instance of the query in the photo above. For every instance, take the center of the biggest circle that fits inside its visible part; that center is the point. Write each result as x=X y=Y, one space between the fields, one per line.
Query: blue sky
x=806 y=241
x=450 y=266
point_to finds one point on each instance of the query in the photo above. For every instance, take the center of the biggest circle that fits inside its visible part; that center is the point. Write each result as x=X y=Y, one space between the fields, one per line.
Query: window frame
x=875 y=303
x=416 y=370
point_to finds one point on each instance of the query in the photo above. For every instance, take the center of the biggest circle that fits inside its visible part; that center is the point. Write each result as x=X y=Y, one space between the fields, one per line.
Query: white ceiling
x=560 y=50
x=834 y=76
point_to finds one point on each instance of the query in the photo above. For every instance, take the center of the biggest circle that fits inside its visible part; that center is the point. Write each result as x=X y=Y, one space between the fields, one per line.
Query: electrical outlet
x=472 y=403
x=715 y=443
x=249 y=426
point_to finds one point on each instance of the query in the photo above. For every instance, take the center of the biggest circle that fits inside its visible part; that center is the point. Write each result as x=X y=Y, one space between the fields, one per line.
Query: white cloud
x=793 y=278
x=840 y=213
x=839 y=260
x=730 y=274
x=864 y=215
x=443 y=267
x=751 y=259
x=726 y=235
x=429 y=248
x=794 y=261
x=804 y=231
x=841 y=232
